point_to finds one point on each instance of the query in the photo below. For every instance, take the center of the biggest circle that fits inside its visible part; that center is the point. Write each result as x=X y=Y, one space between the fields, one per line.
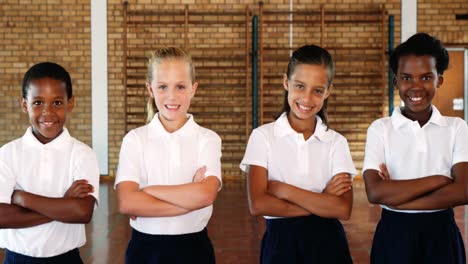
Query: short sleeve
x=210 y=155
x=342 y=161
x=129 y=160
x=7 y=183
x=87 y=168
x=460 y=151
x=375 y=150
x=256 y=152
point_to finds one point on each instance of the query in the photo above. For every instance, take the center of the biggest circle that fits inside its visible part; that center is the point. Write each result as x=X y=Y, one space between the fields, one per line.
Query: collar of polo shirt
x=57 y=143
x=283 y=128
x=399 y=120
x=158 y=129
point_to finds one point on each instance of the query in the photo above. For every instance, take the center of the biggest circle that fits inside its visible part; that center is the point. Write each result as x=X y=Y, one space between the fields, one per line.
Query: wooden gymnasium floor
x=235 y=234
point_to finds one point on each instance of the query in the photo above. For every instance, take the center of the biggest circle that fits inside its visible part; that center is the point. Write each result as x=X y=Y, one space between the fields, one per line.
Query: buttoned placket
x=44 y=158
x=420 y=137
x=46 y=169
x=302 y=153
x=173 y=148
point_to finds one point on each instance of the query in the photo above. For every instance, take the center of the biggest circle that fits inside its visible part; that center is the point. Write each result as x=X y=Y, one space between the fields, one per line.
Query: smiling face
x=172 y=90
x=47 y=106
x=308 y=87
x=417 y=81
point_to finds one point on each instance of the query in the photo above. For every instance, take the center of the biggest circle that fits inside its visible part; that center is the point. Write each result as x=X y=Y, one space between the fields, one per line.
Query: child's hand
x=79 y=189
x=339 y=184
x=199 y=175
x=383 y=173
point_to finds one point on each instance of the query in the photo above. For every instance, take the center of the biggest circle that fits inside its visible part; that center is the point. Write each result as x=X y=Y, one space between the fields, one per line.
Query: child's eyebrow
x=409 y=74
x=298 y=81
x=42 y=98
x=304 y=83
x=179 y=82
x=428 y=73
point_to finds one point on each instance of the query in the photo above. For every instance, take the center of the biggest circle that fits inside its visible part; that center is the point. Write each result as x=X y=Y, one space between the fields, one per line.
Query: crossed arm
x=281 y=199
x=28 y=209
x=168 y=200
x=427 y=193
x=453 y=194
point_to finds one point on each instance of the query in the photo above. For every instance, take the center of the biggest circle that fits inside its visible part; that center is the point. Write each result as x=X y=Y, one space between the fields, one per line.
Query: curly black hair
x=421 y=44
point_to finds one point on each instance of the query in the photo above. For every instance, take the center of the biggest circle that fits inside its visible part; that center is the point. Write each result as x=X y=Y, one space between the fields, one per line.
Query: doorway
x=451 y=97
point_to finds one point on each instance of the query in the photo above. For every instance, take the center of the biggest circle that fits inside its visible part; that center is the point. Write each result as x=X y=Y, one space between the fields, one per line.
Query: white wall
x=99 y=83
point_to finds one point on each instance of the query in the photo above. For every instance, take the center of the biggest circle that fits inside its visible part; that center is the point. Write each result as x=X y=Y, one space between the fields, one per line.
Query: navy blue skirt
x=407 y=238
x=171 y=249
x=70 y=257
x=305 y=239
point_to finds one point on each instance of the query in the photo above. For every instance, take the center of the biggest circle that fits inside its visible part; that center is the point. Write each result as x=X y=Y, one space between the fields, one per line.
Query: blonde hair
x=157 y=57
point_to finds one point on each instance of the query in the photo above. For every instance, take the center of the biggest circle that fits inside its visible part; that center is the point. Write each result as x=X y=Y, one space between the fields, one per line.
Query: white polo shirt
x=411 y=151
x=308 y=164
x=46 y=170
x=152 y=156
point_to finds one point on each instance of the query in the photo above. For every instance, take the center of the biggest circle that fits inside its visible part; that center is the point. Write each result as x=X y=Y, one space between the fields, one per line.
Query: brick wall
x=438 y=18
x=115 y=90
x=59 y=30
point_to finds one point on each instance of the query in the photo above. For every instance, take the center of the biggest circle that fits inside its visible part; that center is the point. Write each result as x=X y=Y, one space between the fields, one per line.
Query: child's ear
x=71 y=104
x=329 y=90
x=24 y=105
x=194 y=88
x=395 y=83
x=285 y=81
x=440 y=80
x=150 y=91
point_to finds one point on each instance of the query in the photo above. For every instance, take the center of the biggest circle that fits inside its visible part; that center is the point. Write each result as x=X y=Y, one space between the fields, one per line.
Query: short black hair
x=47 y=70
x=421 y=44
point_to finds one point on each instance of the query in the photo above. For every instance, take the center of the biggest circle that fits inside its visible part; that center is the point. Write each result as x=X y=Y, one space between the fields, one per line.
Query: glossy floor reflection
x=235 y=234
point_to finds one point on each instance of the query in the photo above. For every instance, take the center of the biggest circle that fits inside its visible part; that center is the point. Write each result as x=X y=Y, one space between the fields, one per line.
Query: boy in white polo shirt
x=48 y=180
x=416 y=164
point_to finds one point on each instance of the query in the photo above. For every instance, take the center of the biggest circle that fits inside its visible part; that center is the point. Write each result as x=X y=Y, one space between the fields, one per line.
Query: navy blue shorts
x=305 y=239
x=407 y=238
x=171 y=249
x=70 y=257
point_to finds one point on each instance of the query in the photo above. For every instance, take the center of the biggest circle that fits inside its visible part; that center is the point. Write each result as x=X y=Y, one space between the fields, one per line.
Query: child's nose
x=417 y=82
x=172 y=92
x=307 y=97
x=47 y=108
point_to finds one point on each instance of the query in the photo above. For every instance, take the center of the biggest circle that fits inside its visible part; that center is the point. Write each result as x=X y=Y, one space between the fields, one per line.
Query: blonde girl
x=169 y=170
